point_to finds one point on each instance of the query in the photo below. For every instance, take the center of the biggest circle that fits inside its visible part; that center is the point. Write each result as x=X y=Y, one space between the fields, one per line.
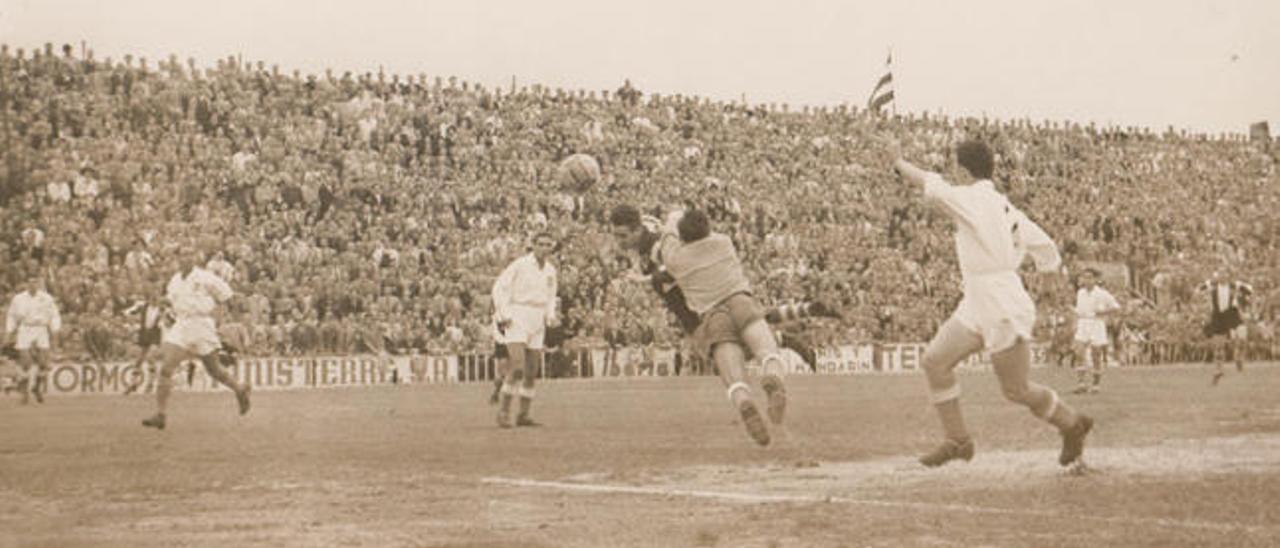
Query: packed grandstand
x=367 y=212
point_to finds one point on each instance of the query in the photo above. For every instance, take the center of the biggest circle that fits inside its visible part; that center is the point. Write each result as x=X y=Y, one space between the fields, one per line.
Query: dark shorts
x=1221 y=323
x=149 y=337
x=499 y=351
x=725 y=323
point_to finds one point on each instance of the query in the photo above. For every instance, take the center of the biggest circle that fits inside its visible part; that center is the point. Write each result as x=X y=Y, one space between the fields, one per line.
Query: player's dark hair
x=694 y=225
x=976 y=158
x=624 y=215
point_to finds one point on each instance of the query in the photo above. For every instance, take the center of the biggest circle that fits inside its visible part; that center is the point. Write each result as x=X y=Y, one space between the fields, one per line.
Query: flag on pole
x=883 y=93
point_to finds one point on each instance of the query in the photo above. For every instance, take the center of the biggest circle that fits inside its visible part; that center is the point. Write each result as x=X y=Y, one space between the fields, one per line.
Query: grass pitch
x=647 y=462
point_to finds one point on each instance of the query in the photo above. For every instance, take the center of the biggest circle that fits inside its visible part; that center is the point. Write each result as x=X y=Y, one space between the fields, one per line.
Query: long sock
x=164 y=387
x=525 y=403
x=220 y=374
x=41 y=386
x=952 y=419
x=1045 y=404
x=1063 y=417
x=1097 y=379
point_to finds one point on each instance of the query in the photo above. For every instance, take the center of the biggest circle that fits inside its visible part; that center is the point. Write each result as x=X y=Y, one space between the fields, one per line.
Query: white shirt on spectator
x=59 y=191
x=86 y=188
x=196 y=294
x=33 y=237
x=240 y=160
x=384 y=253
x=138 y=259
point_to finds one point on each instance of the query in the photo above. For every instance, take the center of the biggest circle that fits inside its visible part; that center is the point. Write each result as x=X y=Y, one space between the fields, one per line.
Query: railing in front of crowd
x=593 y=363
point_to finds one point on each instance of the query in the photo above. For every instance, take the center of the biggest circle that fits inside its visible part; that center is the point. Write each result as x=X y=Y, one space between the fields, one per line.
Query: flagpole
x=895 y=84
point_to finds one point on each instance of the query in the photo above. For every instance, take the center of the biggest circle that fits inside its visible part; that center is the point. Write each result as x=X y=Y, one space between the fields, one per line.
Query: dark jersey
x=665 y=285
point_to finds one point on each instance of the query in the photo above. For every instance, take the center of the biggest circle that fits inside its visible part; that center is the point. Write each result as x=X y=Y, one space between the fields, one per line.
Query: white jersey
x=196 y=294
x=1091 y=303
x=523 y=284
x=992 y=239
x=992 y=236
x=28 y=310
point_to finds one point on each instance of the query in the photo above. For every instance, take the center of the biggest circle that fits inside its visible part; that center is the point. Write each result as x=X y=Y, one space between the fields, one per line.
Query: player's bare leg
x=40 y=373
x=1239 y=345
x=24 y=378
x=1084 y=363
x=1012 y=366
x=532 y=365
x=220 y=374
x=514 y=378
x=34 y=363
x=172 y=357
x=952 y=343
x=1099 y=366
x=760 y=340
x=500 y=376
x=142 y=376
x=1217 y=354
x=730 y=360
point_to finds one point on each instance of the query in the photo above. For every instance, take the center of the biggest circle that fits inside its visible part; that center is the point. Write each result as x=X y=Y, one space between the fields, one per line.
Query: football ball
x=578 y=172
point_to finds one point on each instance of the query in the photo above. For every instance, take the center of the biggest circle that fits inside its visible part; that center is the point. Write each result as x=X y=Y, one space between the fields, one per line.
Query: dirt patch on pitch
x=1185 y=459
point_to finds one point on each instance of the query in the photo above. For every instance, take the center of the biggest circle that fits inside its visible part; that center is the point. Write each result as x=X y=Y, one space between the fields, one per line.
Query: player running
x=996 y=314
x=1093 y=305
x=193 y=293
x=153 y=318
x=1226 y=329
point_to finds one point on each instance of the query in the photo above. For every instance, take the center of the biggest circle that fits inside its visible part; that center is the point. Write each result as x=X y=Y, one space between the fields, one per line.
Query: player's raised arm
x=911 y=172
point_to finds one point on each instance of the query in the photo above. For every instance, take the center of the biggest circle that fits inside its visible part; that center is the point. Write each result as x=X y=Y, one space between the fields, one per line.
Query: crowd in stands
x=371 y=212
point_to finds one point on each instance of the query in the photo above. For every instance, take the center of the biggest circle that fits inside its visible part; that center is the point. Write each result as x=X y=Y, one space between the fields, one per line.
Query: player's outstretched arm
x=910 y=171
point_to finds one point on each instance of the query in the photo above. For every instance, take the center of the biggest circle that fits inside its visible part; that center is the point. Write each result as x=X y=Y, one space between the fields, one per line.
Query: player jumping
x=715 y=298
x=640 y=234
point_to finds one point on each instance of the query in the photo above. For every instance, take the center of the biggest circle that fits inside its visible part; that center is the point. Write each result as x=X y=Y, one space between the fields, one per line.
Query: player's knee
x=1016 y=392
x=934 y=364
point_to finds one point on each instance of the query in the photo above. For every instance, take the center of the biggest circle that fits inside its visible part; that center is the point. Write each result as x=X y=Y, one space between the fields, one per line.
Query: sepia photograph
x=594 y=273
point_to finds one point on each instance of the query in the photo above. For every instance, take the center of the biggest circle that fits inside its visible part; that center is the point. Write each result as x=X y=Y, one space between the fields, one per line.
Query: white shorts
x=997 y=308
x=32 y=336
x=1239 y=333
x=1091 y=331
x=528 y=326
x=198 y=336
